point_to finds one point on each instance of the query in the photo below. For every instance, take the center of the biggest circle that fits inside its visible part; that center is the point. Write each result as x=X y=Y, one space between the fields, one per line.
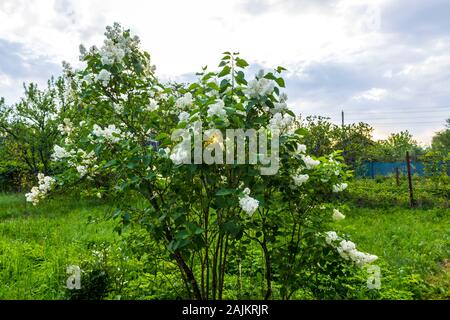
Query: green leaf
x=183 y=234
x=280 y=69
x=241 y=63
x=225 y=192
x=280 y=82
x=110 y=164
x=225 y=71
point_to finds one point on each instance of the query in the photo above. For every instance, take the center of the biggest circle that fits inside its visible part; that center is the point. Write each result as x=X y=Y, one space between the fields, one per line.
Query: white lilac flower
x=183 y=116
x=248 y=204
x=337 y=215
x=38 y=193
x=259 y=87
x=283 y=97
x=152 y=106
x=117 y=45
x=66 y=127
x=59 y=153
x=82 y=170
x=345 y=249
x=301 y=148
x=281 y=122
x=110 y=133
x=340 y=187
x=300 y=179
x=279 y=106
x=89 y=79
x=33 y=196
x=104 y=76
x=184 y=102
x=118 y=108
x=217 y=109
x=247 y=191
x=331 y=236
x=310 y=163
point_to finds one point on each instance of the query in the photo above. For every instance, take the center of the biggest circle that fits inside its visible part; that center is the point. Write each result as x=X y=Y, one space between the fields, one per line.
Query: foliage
x=198 y=212
x=29 y=129
x=38 y=243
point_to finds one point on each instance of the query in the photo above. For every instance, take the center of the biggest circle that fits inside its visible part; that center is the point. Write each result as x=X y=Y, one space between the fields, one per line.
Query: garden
x=116 y=185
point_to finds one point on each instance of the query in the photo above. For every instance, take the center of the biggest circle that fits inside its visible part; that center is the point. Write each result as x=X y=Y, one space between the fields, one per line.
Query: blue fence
x=373 y=169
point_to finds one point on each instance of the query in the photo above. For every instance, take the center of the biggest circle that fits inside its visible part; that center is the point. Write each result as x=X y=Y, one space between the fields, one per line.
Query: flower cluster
x=66 y=128
x=217 y=109
x=152 y=105
x=183 y=116
x=259 y=88
x=300 y=179
x=110 y=133
x=184 y=101
x=117 y=45
x=337 y=215
x=104 y=76
x=59 y=153
x=40 y=192
x=281 y=122
x=348 y=251
x=310 y=163
x=340 y=187
x=247 y=203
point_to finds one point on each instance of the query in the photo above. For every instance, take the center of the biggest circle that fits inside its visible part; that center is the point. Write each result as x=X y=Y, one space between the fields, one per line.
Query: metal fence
x=373 y=169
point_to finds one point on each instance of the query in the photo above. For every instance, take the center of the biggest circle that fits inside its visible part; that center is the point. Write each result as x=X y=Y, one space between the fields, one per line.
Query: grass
x=414 y=245
x=38 y=243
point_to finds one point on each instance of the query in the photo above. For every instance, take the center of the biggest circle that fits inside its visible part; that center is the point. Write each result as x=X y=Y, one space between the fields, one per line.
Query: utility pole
x=342 y=114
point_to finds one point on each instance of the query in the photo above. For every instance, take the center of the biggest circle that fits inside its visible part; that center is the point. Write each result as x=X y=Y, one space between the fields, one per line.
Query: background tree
x=30 y=128
x=441 y=140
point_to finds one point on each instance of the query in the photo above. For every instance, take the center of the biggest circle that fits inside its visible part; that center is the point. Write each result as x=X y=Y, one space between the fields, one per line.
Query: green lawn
x=414 y=245
x=38 y=243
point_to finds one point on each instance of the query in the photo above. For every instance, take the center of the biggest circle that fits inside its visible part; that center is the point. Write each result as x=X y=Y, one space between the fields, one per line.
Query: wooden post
x=411 y=196
x=343 y=123
x=397 y=176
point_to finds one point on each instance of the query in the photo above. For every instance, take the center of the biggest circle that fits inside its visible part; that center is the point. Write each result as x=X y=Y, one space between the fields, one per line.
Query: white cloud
x=357 y=53
x=374 y=94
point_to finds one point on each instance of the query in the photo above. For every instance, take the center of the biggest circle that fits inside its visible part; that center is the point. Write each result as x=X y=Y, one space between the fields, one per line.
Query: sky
x=384 y=62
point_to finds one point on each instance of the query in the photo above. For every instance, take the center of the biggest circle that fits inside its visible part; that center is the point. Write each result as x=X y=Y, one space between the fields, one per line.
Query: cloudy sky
x=385 y=62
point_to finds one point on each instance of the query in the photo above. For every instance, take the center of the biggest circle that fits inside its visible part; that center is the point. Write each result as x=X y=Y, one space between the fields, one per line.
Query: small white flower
x=259 y=87
x=104 y=76
x=301 y=148
x=331 y=236
x=183 y=116
x=248 y=204
x=152 y=106
x=217 y=109
x=281 y=122
x=300 y=179
x=184 y=102
x=340 y=187
x=59 y=153
x=310 y=163
x=337 y=215
x=82 y=170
